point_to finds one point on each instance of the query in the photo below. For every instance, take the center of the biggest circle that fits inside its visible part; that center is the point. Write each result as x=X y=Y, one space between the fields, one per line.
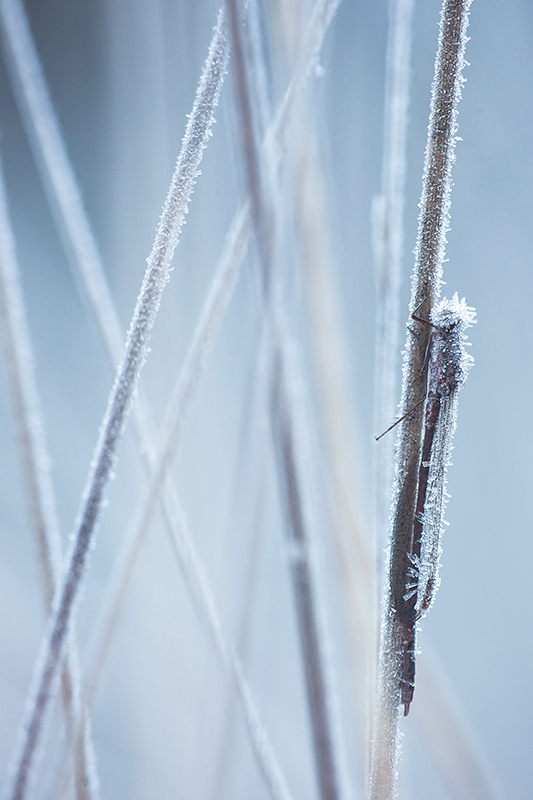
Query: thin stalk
x=427 y=276
x=260 y=177
x=18 y=352
x=287 y=413
x=36 y=469
x=115 y=419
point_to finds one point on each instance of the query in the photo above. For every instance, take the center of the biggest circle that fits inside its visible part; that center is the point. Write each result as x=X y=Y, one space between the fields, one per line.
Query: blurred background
x=122 y=77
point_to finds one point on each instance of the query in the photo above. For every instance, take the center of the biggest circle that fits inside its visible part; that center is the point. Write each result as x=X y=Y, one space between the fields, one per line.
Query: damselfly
x=418 y=523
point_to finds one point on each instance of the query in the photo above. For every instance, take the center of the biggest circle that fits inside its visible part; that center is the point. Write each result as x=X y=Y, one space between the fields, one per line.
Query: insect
x=418 y=522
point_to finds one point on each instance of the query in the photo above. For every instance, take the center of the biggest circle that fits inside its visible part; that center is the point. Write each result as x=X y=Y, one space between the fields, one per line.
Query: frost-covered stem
x=434 y=218
x=387 y=223
x=260 y=175
x=36 y=468
x=433 y=225
x=156 y=276
x=386 y=728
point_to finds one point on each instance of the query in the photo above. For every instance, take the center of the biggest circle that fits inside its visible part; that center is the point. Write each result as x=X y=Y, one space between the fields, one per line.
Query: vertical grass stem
x=427 y=276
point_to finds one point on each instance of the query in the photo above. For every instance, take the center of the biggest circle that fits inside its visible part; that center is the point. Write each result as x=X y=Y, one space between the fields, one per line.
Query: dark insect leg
x=408 y=667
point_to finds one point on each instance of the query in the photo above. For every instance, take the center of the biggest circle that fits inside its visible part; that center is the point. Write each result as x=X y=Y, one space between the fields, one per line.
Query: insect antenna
x=377 y=438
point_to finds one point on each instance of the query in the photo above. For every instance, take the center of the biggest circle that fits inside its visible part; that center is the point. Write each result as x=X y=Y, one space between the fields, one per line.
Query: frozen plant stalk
x=394 y=657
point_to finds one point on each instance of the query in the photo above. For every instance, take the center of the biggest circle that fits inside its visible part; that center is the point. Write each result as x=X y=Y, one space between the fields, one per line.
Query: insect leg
x=408 y=666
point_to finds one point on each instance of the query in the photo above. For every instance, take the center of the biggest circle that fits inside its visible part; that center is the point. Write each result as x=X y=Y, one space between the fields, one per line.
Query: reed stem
x=427 y=277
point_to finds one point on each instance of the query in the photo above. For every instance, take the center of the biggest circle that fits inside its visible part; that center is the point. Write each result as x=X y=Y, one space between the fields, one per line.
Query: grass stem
x=427 y=276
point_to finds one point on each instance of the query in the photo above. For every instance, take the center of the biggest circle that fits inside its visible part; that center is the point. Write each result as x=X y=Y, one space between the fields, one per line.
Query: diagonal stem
x=115 y=419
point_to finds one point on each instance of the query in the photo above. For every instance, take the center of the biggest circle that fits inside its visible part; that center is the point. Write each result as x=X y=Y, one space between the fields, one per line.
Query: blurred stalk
x=35 y=461
x=387 y=240
x=58 y=177
x=346 y=510
x=287 y=412
x=427 y=277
